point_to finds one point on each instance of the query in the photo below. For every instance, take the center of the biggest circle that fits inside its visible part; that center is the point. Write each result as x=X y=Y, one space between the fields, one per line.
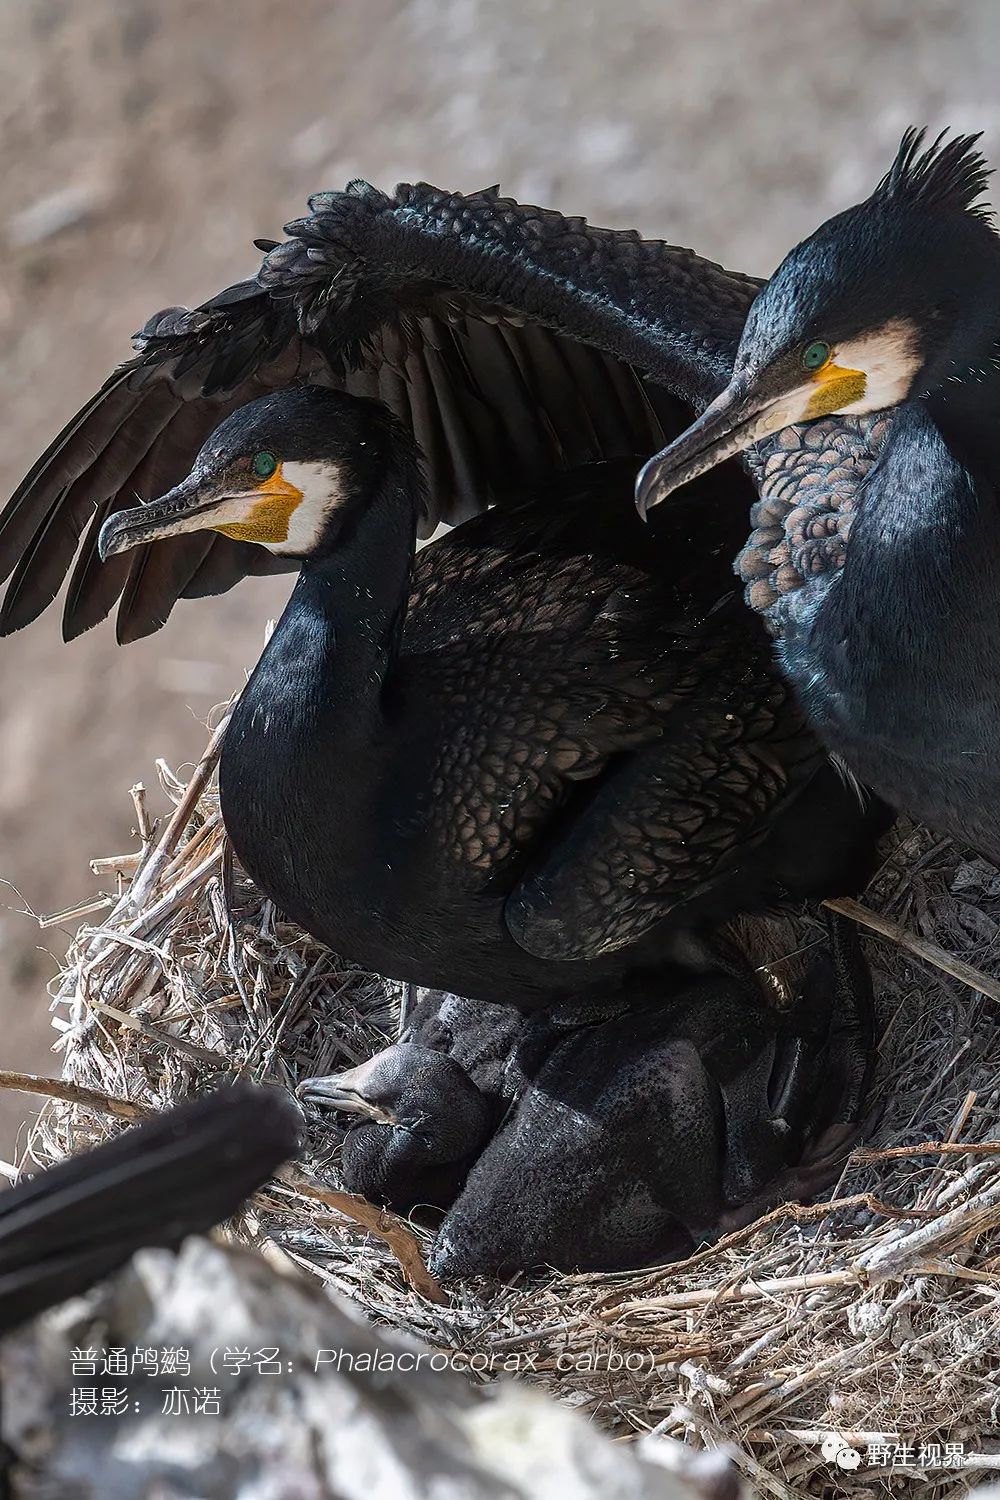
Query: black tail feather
x=175 y=1175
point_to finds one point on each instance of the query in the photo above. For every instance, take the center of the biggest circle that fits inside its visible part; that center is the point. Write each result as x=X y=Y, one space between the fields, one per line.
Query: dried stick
x=150 y=872
x=162 y=1038
x=931 y=953
x=401 y=1241
x=865 y=1158
x=116 y=864
x=71 y=1093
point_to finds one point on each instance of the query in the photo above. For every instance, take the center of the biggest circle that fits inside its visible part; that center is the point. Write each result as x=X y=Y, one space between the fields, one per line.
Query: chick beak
x=180 y=509
x=347 y=1092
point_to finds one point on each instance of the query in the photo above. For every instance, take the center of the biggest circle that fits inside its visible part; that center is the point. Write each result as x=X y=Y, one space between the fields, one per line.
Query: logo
x=891 y=1452
x=836 y=1450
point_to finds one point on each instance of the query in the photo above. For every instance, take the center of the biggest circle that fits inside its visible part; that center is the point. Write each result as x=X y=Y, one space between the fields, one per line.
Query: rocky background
x=145 y=144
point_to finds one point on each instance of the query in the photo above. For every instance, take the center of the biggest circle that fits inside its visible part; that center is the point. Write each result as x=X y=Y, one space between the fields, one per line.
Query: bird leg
x=827 y=1060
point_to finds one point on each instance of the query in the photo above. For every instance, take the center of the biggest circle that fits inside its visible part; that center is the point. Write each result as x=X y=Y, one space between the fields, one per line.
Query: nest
x=867 y=1324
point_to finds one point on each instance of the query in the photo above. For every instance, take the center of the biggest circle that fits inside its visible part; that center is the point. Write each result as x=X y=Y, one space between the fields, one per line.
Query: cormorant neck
x=964 y=397
x=334 y=647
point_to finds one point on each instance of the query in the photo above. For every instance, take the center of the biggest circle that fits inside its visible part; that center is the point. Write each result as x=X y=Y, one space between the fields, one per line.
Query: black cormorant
x=539 y=764
x=515 y=341
x=875 y=553
x=176 y=1174
x=438 y=1119
x=444 y=1086
x=627 y=1136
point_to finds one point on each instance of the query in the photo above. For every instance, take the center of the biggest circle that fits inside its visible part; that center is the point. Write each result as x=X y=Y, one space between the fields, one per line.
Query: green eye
x=815 y=355
x=264 y=465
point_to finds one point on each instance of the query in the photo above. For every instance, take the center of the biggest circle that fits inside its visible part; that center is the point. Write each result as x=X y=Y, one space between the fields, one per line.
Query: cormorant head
x=283 y=471
x=423 y=1123
x=884 y=303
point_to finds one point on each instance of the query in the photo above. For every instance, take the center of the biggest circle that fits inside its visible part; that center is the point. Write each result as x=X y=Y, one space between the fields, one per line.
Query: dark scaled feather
x=950 y=174
x=513 y=341
x=177 y=1174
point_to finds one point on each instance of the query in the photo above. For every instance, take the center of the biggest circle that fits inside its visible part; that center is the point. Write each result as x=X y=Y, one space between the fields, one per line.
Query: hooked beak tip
x=722 y=430
x=316 y=1090
x=333 y=1093
x=150 y=519
x=648 y=489
x=106 y=539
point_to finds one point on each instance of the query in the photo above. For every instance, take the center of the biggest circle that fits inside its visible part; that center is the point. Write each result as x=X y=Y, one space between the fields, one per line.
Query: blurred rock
x=348 y=1411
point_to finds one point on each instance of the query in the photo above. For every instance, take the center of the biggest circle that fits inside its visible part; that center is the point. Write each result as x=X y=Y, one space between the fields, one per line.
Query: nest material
x=877 y=1319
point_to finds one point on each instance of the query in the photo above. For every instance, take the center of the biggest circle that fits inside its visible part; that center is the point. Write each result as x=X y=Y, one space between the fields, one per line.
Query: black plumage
x=546 y=757
x=511 y=340
x=516 y=342
x=443 y=1088
x=610 y=1138
x=176 y=1174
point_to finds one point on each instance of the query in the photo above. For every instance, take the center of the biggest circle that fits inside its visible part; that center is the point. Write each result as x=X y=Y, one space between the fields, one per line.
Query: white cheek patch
x=889 y=358
x=322 y=493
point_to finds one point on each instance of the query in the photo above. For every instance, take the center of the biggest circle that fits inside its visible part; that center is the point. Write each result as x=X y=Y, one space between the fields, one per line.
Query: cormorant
x=876 y=545
x=444 y=1086
x=439 y=1119
x=545 y=761
x=515 y=341
x=176 y=1174
x=629 y=1134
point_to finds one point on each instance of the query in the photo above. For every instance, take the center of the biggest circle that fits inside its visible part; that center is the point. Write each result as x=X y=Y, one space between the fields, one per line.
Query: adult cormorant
x=876 y=545
x=176 y=1174
x=613 y=1137
x=543 y=763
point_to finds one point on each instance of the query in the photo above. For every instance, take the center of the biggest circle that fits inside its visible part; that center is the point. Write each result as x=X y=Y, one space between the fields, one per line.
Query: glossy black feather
x=175 y=1175
x=605 y=1136
x=950 y=175
x=522 y=765
x=466 y=313
x=875 y=548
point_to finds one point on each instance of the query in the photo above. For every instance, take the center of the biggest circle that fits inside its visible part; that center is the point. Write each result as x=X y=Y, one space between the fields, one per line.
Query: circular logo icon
x=836 y=1451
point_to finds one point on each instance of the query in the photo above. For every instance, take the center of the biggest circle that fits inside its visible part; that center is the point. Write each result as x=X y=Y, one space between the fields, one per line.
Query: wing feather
x=514 y=341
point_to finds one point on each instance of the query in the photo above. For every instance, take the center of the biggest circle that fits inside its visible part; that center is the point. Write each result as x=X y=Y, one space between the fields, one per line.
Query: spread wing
x=513 y=341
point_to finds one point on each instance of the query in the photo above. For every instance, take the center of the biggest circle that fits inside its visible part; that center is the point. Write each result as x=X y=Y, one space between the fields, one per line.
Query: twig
x=799 y=1212
x=74 y=913
x=864 y=1157
x=143 y=822
x=751 y=1290
x=117 y=864
x=401 y=1241
x=147 y=877
x=162 y=1038
x=71 y=1093
x=919 y=947
x=764 y=1482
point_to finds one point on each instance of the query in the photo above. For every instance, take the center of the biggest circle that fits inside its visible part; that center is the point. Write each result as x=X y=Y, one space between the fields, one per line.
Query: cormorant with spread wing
x=568 y=745
x=541 y=758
